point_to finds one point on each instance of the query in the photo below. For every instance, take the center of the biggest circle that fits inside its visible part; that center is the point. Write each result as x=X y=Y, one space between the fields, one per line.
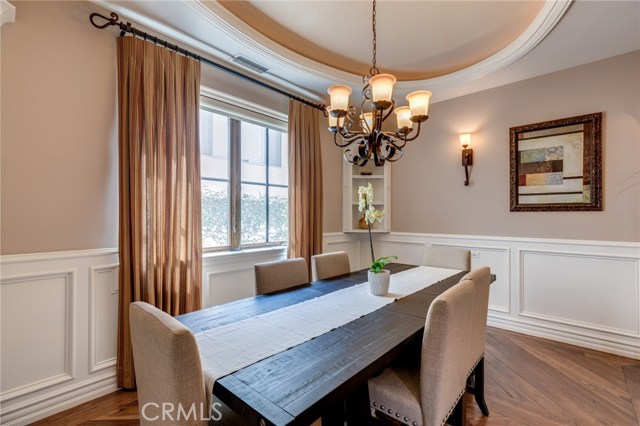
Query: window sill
x=254 y=255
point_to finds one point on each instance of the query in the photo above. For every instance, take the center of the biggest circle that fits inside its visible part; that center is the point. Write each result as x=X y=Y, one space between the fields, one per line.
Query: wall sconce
x=467 y=155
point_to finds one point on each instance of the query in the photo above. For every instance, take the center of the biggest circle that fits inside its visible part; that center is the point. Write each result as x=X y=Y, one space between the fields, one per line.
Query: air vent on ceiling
x=248 y=63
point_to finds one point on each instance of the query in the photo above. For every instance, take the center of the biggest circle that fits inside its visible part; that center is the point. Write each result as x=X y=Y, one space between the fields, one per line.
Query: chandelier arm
x=363 y=122
x=346 y=133
x=391 y=108
x=400 y=153
x=346 y=141
x=395 y=140
x=415 y=135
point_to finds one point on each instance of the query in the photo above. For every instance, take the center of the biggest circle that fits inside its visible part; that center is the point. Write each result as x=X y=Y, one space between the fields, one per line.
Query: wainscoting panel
x=496 y=258
x=585 y=293
x=593 y=291
x=103 y=314
x=58 y=319
x=37 y=318
x=229 y=276
x=349 y=243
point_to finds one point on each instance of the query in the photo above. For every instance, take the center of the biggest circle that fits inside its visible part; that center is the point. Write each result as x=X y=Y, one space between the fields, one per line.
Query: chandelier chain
x=374 y=69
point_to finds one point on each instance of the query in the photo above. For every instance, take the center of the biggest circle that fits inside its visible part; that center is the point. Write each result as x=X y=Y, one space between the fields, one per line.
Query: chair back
x=167 y=366
x=329 y=265
x=280 y=275
x=445 y=347
x=447 y=257
x=481 y=278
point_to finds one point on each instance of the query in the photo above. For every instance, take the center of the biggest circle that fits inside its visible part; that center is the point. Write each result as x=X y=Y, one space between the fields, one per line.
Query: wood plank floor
x=529 y=381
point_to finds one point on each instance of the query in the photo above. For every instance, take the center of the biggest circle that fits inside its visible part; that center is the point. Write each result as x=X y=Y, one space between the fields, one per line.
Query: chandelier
x=363 y=126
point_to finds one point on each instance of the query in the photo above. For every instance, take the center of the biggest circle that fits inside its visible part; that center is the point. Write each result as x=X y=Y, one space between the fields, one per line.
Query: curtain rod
x=127 y=28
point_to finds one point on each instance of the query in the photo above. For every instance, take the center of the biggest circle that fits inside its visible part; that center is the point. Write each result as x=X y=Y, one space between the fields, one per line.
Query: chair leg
x=478 y=374
x=458 y=415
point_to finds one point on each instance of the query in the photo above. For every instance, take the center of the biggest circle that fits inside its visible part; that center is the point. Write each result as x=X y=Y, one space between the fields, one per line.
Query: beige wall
x=59 y=166
x=428 y=192
x=59 y=157
x=59 y=145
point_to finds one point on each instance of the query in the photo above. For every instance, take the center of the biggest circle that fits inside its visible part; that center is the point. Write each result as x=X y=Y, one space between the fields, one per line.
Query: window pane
x=214 y=145
x=278 y=214
x=278 y=158
x=253 y=153
x=215 y=214
x=253 y=214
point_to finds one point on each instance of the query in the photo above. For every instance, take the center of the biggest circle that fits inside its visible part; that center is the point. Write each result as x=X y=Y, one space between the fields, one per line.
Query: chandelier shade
x=360 y=129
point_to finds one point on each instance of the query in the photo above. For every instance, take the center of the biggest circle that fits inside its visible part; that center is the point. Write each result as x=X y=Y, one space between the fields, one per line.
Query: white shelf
x=380 y=180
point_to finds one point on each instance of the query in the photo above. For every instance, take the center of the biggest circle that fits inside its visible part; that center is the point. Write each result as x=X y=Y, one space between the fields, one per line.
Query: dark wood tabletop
x=315 y=378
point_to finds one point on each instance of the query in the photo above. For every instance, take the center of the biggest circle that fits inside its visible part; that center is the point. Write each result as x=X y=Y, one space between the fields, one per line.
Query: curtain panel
x=305 y=182
x=160 y=243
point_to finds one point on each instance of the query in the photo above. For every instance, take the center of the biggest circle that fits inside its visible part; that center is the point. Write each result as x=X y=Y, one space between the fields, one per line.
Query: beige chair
x=447 y=257
x=481 y=278
x=280 y=275
x=429 y=392
x=329 y=265
x=167 y=366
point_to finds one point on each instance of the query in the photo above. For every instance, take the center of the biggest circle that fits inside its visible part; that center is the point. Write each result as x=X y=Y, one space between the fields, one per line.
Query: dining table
x=326 y=376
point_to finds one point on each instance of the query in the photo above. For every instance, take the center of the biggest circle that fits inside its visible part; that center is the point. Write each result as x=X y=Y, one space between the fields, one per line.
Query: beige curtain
x=305 y=182
x=160 y=226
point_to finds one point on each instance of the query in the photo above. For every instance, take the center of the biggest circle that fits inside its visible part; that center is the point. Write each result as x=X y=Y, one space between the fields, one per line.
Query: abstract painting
x=556 y=165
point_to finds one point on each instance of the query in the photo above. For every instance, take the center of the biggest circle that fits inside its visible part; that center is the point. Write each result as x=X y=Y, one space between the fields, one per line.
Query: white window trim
x=243 y=110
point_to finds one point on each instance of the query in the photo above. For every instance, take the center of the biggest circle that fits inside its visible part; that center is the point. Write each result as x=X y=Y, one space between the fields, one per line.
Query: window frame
x=237 y=113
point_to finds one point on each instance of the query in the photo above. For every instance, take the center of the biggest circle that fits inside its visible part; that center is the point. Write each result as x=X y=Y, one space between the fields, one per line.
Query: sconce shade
x=419 y=103
x=465 y=139
x=367 y=118
x=339 y=95
x=382 y=88
x=403 y=116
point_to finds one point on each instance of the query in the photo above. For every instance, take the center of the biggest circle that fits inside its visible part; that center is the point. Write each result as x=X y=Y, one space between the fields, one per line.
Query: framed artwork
x=557 y=165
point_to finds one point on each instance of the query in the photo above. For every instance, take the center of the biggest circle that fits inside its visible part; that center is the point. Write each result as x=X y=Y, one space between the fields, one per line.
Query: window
x=245 y=174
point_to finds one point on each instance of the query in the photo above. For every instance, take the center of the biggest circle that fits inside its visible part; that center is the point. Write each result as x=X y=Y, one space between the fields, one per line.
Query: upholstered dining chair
x=280 y=275
x=167 y=366
x=428 y=392
x=329 y=265
x=447 y=257
x=481 y=278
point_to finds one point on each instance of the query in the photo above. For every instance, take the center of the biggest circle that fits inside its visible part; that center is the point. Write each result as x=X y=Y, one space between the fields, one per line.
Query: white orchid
x=365 y=199
x=371 y=215
x=365 y=196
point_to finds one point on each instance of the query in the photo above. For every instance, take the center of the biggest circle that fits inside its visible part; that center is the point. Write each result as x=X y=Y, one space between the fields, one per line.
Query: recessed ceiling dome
x=416 y=40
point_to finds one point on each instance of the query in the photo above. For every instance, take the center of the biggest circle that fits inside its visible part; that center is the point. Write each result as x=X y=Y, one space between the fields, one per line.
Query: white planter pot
x=379 y=283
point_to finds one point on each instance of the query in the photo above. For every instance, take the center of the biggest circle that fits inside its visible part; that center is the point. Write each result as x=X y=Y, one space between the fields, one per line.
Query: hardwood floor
x=529 y=381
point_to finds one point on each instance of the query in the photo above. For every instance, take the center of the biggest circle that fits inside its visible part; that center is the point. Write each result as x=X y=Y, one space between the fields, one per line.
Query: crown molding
x=266 y=50
x=229 y=35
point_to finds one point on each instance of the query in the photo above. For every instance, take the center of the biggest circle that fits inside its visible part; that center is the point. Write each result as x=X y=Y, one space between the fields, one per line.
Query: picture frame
x=557 y=165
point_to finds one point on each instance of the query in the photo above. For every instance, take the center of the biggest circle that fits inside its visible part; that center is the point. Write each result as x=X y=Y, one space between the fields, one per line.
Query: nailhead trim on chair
x=414 y=423
x=453 y=407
